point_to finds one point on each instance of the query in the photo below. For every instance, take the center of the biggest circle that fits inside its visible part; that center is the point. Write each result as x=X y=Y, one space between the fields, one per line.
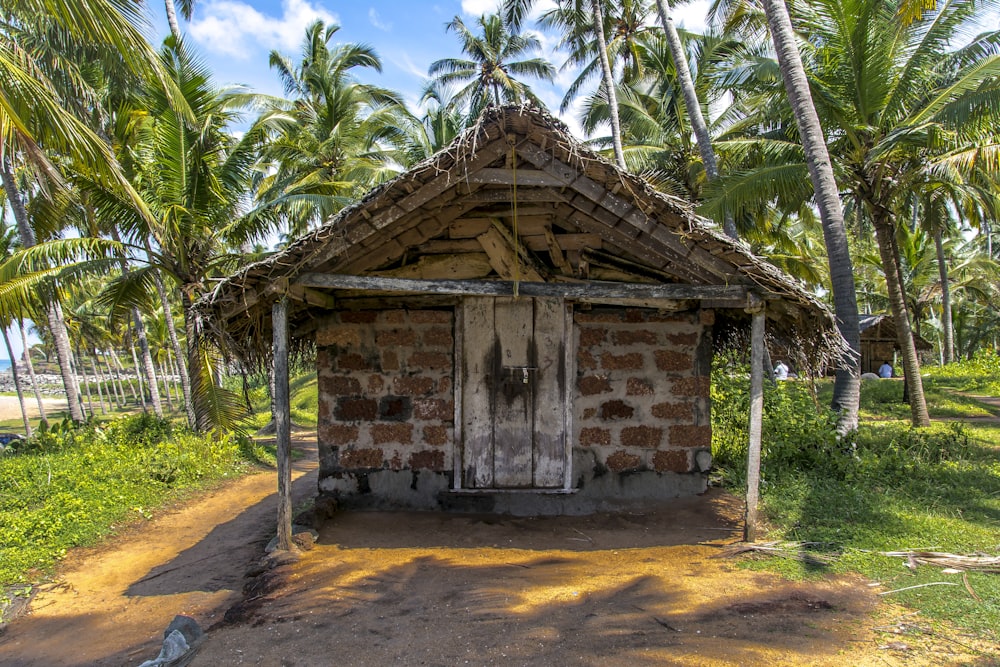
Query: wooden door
x=513 y=393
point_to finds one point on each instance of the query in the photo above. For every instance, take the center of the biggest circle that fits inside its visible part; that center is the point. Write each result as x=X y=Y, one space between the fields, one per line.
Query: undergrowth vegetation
x=70 y=486
x=888 y=487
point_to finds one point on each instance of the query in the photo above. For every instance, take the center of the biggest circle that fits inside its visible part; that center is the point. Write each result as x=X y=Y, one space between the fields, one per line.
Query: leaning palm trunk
x=116 y=381
x=17 y=382
x=884 y=232
x=609 y=83
x=82 y=377
x=691 y=103
x=847 y=385
x=128 y=378
x=138 y=376
x=98 y=380
x=147 y=363
x=175 y=29
x=168 y=319
x=166 y=387
x=52 y=311
x=949 y=331
x=31 y=373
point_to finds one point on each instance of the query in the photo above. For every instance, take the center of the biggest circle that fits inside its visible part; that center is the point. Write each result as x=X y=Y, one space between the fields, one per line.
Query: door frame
x=458 y=388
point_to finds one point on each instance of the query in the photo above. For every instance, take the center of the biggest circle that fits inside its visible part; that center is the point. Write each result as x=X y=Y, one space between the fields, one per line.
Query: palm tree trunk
x=847 y=385
x=200 y=376
x=138 y=376
x=82 y=376
x=128 y=378
x=31 y=373
x=17 y=382
x=54 y=314
x=168 y=319
x=98 y=380
x=949 y=332
x=119 y=389
x=609 y=82
x=882 y=221
x=166 y=388
x=175 y=29
x=147 y=363
x=691 y=103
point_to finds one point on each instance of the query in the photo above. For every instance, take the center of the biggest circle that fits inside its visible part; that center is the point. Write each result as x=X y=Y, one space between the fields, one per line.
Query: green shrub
x=70 y=485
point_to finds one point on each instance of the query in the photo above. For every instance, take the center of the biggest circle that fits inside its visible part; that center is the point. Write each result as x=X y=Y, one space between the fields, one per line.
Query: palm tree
x=325 y=142
x=514 y=13
x=496 y=62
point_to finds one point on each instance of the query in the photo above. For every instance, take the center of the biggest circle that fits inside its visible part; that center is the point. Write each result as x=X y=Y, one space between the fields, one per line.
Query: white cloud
x=377 y=21
x=480 y=7
x=690 y=16
x=234 y=28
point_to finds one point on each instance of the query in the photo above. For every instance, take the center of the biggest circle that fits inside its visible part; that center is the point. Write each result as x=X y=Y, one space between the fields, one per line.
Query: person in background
x=885 y=370
x=781 y=371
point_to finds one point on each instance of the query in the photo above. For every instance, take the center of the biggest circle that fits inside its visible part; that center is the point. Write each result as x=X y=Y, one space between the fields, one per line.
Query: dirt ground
x=447 y=589
x=10 y=408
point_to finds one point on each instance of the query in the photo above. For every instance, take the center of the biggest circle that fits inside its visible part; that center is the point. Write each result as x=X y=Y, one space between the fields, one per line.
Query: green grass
x=892 y=488
x=303 y=400
x=74 y=485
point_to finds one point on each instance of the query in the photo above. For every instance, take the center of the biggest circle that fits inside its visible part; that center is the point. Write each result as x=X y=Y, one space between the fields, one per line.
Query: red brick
x=592 y=436
x=638 y=387
x=430 y=316
x=414 y=385
x=672 y=460
x=361 y=458
x=665 y=317
x=707 y=317
x=616 y=410
x=339 y=335
x=324 y=359
x=356 y=409
x=593 y=384
x=693 y=386
x=638 y=336
x=352 y=362
x=683 y=338
x=429 y=459
x=598 y=316
x=585 y=360
x=340 y=384
x=435 y=435
x=689 y=435
x=642 y=436
x=399 y=432
x=395 y=408
x=392 y=316
x=375 y=384
x=669 y=360
x=324 y=409
x=438 y=337
x=684 y=411
x=396 y=337
x=591 y=336
x=359 y=316
x=396 y=462
x=633 y=361
x=444 y=385
x=634 y=315
x=429 y=361
x=390 y=360
x=339 y=434
x=434 y=408
x=589 y=413
x=621 y=461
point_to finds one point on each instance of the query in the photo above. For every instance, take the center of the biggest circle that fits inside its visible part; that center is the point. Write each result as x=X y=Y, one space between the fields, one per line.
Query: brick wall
x=642 y=387
x=385 y=391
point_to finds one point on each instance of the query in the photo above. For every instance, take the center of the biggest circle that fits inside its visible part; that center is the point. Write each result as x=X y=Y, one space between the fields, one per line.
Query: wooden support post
x=281 y=411
x=756 y=417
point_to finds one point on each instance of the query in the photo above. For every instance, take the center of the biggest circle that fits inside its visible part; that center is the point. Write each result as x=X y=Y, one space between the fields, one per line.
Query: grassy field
x=889 y=488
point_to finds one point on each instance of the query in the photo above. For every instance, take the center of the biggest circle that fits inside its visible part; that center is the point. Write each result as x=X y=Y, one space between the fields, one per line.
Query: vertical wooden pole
x=281 y=412
x=756 y=415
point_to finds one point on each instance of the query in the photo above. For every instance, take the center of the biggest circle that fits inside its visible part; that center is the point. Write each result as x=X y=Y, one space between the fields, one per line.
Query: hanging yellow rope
x=513 y=205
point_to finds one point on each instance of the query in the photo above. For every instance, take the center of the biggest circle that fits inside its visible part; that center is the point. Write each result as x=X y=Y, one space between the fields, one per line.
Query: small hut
x=514 y=325
x=879 y=342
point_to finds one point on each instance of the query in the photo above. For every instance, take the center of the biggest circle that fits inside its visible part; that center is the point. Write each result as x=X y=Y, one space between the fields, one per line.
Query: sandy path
x=111 y=604
x=11 y=409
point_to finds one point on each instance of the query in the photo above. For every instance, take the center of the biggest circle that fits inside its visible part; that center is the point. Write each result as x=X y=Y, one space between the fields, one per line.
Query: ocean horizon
x=4 y=365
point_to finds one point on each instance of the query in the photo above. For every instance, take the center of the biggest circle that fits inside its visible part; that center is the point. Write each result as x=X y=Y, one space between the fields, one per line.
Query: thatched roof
x=517 y=183
x=882 y=329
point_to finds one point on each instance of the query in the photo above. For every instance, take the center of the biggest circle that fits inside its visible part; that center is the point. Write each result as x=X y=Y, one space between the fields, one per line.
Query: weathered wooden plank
x=468 y=228
x=452 y=267
x=569 y=373
x=507 y=257
x=590 y=290
x=493 y=195
x=449 y=246
x=515 y=389
x=756 y=419
x=312 y=297
x=478 y=376
x=525 y=177
x=281 y=411
x=457 y=394
x=550 y=419
x=556 y=253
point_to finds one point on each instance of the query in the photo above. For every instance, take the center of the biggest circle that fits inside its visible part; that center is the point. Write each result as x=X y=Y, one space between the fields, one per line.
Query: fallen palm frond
x=979 y=563
x=794 y=550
